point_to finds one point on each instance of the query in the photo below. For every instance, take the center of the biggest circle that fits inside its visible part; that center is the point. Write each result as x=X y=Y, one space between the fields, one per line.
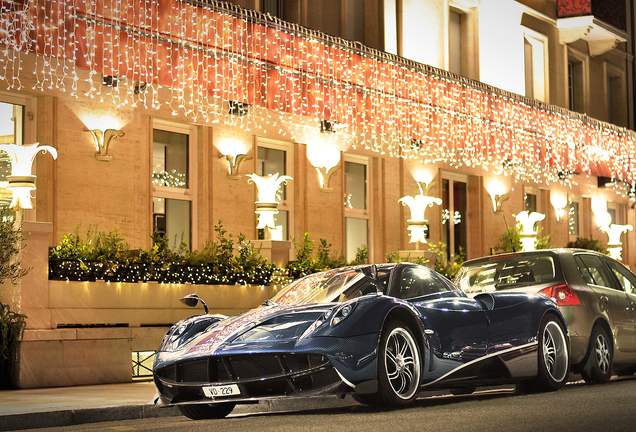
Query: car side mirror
x=191 y=300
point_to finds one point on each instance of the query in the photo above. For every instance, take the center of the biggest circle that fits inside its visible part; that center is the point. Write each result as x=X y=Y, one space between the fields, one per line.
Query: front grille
x=243 y=369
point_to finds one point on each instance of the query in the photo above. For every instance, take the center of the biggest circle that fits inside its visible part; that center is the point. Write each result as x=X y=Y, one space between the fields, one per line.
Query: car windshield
x=318 y=288
x=501 y=273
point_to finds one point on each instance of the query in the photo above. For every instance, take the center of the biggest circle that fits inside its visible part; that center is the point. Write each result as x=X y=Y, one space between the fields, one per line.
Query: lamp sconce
x=324 y=177
x=266 y=205
x=21 y=181
x=614 y=245
x=528 y=234
x=559 y=202
x=418 y=204
x=234 y=163
x=102 y=141
x=497 y=202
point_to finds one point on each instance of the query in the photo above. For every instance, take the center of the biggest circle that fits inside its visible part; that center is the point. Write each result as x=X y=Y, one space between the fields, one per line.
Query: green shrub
x=587 y=243
x=12 y=327
x=11 y=243
x=511 y=241
x=306 y=263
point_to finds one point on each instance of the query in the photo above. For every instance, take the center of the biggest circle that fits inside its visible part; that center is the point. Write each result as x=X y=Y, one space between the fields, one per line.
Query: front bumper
x=258 y=377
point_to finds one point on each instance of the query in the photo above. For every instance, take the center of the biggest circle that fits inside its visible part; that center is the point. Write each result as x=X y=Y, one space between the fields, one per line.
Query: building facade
x=492 y=107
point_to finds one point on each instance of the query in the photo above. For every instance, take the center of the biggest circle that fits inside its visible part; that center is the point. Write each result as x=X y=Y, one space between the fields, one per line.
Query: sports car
x=381 y=333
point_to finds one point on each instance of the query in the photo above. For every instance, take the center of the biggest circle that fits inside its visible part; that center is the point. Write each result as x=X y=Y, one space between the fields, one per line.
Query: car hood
x=271 y=327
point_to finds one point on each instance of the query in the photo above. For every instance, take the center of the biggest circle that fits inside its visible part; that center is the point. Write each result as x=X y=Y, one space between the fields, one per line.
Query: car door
x=455 y=326
x=612 y=300
x=627 y=280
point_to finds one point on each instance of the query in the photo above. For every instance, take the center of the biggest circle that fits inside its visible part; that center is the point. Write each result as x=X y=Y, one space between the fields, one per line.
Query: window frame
x=615 y=109
x=181 y=194
x=29 y=133
x=538 y=41
x=576 y=56
x=578 y=200
x=460 y=178
x=358 y=213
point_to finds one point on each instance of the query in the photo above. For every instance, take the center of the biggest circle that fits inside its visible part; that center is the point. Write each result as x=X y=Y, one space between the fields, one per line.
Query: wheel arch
x=406 y=315
x=601 y=322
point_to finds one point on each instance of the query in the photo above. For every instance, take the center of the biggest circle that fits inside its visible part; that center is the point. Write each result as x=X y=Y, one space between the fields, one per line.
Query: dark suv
x=596 y=294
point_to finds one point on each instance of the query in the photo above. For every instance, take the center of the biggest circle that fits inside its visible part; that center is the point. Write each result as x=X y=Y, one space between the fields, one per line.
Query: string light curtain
x=196 y=56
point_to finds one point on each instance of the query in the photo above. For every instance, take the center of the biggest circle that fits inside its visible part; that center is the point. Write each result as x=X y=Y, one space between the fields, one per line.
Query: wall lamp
x=614 y=245
x=266 y=204
x=418 y=204
x=21 y=181
x=497 y=190
x=234 y=163
x=528 y=234
x=102 y=141
x=559 y=202
x=325 y=159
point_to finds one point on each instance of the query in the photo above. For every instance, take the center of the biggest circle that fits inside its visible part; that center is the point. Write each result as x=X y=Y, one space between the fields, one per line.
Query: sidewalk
x=67 y=406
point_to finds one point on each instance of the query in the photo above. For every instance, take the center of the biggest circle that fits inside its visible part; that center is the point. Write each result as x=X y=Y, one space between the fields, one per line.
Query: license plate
x=221 y=391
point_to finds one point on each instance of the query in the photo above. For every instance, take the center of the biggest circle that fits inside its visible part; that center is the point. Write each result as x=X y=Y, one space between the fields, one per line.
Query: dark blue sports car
x=378 y=332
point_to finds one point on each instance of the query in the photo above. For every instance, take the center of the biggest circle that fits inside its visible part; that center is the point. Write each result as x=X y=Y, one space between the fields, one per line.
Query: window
x=536 y=65
x=626 y=278
x=273 y=7
x=573 y=220
x=16 y=127
x=454 y=223
x=356 y=202
x=454 y=42
x=615 y=93
x=354 y=28
x=531 y=199
x=275 y=157
x=173 y=182
x=417 y=282
x=612 y=210
x=577 y=80
x=593 y=270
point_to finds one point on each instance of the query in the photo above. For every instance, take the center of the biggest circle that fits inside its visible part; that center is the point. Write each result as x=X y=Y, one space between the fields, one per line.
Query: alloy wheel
x=602 y=352
x=402 y=363
x=555 y=351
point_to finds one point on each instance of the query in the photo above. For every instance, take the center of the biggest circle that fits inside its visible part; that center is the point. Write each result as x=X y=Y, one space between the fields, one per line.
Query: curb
x=82 y=416
x=49 y=419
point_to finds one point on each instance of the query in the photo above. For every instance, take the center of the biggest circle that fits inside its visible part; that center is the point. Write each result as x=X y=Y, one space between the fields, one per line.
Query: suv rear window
x=505 y=273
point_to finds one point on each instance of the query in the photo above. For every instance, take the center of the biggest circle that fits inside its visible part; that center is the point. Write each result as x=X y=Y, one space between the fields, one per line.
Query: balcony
x=599 y=22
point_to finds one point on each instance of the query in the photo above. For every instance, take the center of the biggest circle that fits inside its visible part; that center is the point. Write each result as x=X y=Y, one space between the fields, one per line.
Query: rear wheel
x=205 y=411
x=399 y=366
x=598 y=368
x=554 y=358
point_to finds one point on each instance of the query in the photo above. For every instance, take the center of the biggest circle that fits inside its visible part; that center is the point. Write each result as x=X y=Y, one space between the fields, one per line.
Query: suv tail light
x=563 y=294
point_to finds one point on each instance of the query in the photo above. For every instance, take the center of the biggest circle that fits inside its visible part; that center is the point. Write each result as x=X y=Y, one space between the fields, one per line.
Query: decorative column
x=528 y=234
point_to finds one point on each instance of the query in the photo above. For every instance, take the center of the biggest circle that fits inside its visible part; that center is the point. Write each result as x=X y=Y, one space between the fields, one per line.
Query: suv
x=595 y=293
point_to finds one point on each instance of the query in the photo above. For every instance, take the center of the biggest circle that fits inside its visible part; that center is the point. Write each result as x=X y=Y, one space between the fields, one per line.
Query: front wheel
x=598 y=368
x=206 y=411
x=554 y=358
x=399 y=366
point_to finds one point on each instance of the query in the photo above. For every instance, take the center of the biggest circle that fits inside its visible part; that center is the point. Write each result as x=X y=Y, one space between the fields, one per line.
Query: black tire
x=554 y=355
x=206 y=411
x=625 y=370
x=399 y=366
x=598 y=367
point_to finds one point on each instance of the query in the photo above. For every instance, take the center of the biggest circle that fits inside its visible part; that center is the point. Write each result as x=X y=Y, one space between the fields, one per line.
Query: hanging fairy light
x=194 y=57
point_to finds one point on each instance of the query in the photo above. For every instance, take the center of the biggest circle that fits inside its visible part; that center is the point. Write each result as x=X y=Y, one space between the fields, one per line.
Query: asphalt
x=68 y=406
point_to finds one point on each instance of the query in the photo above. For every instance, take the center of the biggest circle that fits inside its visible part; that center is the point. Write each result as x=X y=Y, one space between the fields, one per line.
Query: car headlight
x=334 y=316
x=342 y=313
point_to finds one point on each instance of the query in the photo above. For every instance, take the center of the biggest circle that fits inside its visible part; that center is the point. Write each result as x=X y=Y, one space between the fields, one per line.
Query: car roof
x=555 y=251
